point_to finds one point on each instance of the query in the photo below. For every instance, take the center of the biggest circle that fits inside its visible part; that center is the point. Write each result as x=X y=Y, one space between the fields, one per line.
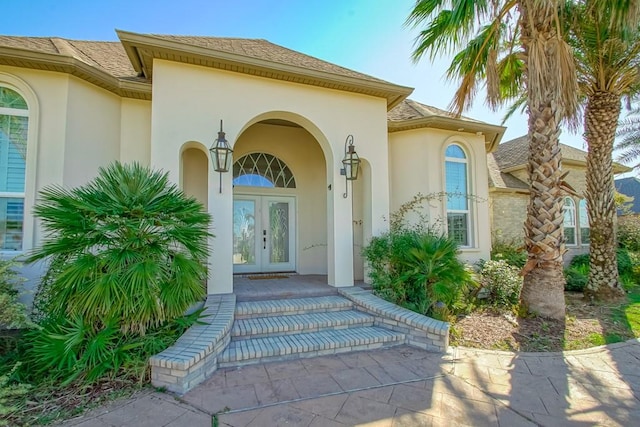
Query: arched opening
x=195 y=173
x=280 y=200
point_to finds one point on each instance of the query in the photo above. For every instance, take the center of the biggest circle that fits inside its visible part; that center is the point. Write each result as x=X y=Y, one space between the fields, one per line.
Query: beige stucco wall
x=416 y=164
x=92 y=133
x=304 y=157
x=197 y=97
x=135 y=131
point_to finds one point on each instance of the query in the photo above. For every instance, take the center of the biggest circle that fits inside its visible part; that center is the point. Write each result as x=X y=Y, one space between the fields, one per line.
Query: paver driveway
x=403 y=386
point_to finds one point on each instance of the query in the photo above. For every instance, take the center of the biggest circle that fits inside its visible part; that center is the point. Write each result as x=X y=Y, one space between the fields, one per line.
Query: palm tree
x=607 y=54
x=499 y=35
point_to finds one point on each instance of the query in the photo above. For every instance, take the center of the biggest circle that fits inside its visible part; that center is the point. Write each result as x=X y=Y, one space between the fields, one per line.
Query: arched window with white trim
x=262 y=170
x=570 y=221
x=584 y=222
x=457 y=188
x=14 y=125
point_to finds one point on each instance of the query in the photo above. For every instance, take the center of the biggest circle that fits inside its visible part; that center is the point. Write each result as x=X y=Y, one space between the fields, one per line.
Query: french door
x=264 y=235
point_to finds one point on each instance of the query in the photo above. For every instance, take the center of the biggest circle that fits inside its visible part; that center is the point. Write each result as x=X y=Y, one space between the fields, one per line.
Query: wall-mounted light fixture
x=221 y=154
x=350 y=163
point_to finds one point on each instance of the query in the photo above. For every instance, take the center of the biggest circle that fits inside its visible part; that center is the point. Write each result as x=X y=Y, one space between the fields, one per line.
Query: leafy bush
x=576 y=277
x=501 y=283
x=419 y=271
x=126 y=257
x=10 y=393
x=629 y=232
x=12 y=312
x=510 y=252
x=68 y=349
x=128 y=248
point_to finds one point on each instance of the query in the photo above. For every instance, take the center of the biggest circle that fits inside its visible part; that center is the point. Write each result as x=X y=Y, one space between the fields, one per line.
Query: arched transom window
x=457 y=187
x=14 y=124
x=570 y=221
x=262 y=170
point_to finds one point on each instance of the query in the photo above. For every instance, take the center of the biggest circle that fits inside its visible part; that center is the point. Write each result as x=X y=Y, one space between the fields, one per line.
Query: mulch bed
x=504 y=331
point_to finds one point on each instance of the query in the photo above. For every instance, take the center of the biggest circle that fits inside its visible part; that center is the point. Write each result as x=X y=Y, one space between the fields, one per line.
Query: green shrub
x=71 y=349
x=629 y=232
x=126 y=256
x=128 y=248
x=419 y=271
x=501 y=283
x=510 y=252
x=13 y=314
x=578 y=272
x=576 y=277
x=11 y=394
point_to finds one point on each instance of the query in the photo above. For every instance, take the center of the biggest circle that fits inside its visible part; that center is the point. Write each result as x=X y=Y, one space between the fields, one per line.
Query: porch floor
x=282 y=286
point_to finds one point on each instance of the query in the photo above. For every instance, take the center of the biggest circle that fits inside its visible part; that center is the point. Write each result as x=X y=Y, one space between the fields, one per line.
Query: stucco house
x=509 y=194
x=70 y=106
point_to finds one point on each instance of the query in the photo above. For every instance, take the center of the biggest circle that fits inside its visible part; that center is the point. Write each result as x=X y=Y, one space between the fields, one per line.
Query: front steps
x=304 y=327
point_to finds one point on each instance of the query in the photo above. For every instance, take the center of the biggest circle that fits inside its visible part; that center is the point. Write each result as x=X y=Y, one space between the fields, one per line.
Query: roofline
x=17 y=57
x=492 y=133
x=143 y=62
x=494 y=189
x=617 y=167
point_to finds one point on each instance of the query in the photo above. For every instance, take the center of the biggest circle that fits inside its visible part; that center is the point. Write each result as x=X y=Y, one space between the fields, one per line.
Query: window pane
x=273 y=171
x=456 y=185
x=11 y=219
x=279 y=231
x=570 y=235
x=569 y=213
x=584 y=235
x=11 y=99
x=455 y=152
x=457 y=228
x=584 y=217
x=244 y=232
x=13 y=150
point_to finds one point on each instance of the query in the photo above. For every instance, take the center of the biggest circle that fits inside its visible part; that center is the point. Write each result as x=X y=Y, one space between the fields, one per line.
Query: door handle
x=264 y=239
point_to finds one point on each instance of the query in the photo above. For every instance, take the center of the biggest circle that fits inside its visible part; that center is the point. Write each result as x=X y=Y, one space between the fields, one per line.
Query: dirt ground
x=586 y=325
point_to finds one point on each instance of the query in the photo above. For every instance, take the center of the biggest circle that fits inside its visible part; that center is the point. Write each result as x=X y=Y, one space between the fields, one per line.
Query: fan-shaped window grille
x=262 y=170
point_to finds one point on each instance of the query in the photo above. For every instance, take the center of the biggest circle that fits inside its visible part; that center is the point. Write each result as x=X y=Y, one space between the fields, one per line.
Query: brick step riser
x=258 y=314
x=306 y=354
x=240 y=335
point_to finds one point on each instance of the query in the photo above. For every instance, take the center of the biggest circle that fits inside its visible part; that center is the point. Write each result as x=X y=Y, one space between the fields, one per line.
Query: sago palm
x=491 y=39
x=607 y=54
x=128 y=247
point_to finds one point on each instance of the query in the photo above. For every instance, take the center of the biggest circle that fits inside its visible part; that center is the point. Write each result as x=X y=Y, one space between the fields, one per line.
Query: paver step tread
x=321 y=342
x=295 y=305
x=296 y=323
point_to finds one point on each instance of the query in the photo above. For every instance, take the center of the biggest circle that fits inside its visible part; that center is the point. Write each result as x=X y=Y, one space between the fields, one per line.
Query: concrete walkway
x=402 y=386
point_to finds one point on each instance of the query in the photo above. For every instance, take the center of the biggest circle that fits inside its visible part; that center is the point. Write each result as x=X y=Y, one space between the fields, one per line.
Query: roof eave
x=617 y=167
x=133 y=44
x=65 y=64
x=492 y=133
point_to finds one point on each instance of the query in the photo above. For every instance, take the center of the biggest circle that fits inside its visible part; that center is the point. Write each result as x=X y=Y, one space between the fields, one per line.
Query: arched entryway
x=279 y=200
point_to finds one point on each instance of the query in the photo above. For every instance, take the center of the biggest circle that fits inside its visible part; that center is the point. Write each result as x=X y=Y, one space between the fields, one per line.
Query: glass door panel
x=245 y=255
x=263 y=234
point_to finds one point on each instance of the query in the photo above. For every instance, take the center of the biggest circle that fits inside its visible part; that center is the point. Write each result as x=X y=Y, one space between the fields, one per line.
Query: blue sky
x=364 y=35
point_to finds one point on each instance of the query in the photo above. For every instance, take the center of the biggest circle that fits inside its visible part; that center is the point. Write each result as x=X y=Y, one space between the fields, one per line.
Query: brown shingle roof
x=515 y=153
x=502 y=180
x=265 y=50
x=410 y=110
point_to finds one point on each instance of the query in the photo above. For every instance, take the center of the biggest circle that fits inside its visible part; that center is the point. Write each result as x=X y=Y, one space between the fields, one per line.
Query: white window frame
x=583 y=219
x=466 y=161
x=18 y=85
x=569 y=212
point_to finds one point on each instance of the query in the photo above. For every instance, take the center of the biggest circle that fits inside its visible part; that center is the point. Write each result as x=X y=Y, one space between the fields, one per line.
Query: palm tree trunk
x=543 y=288
x=600 y=123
